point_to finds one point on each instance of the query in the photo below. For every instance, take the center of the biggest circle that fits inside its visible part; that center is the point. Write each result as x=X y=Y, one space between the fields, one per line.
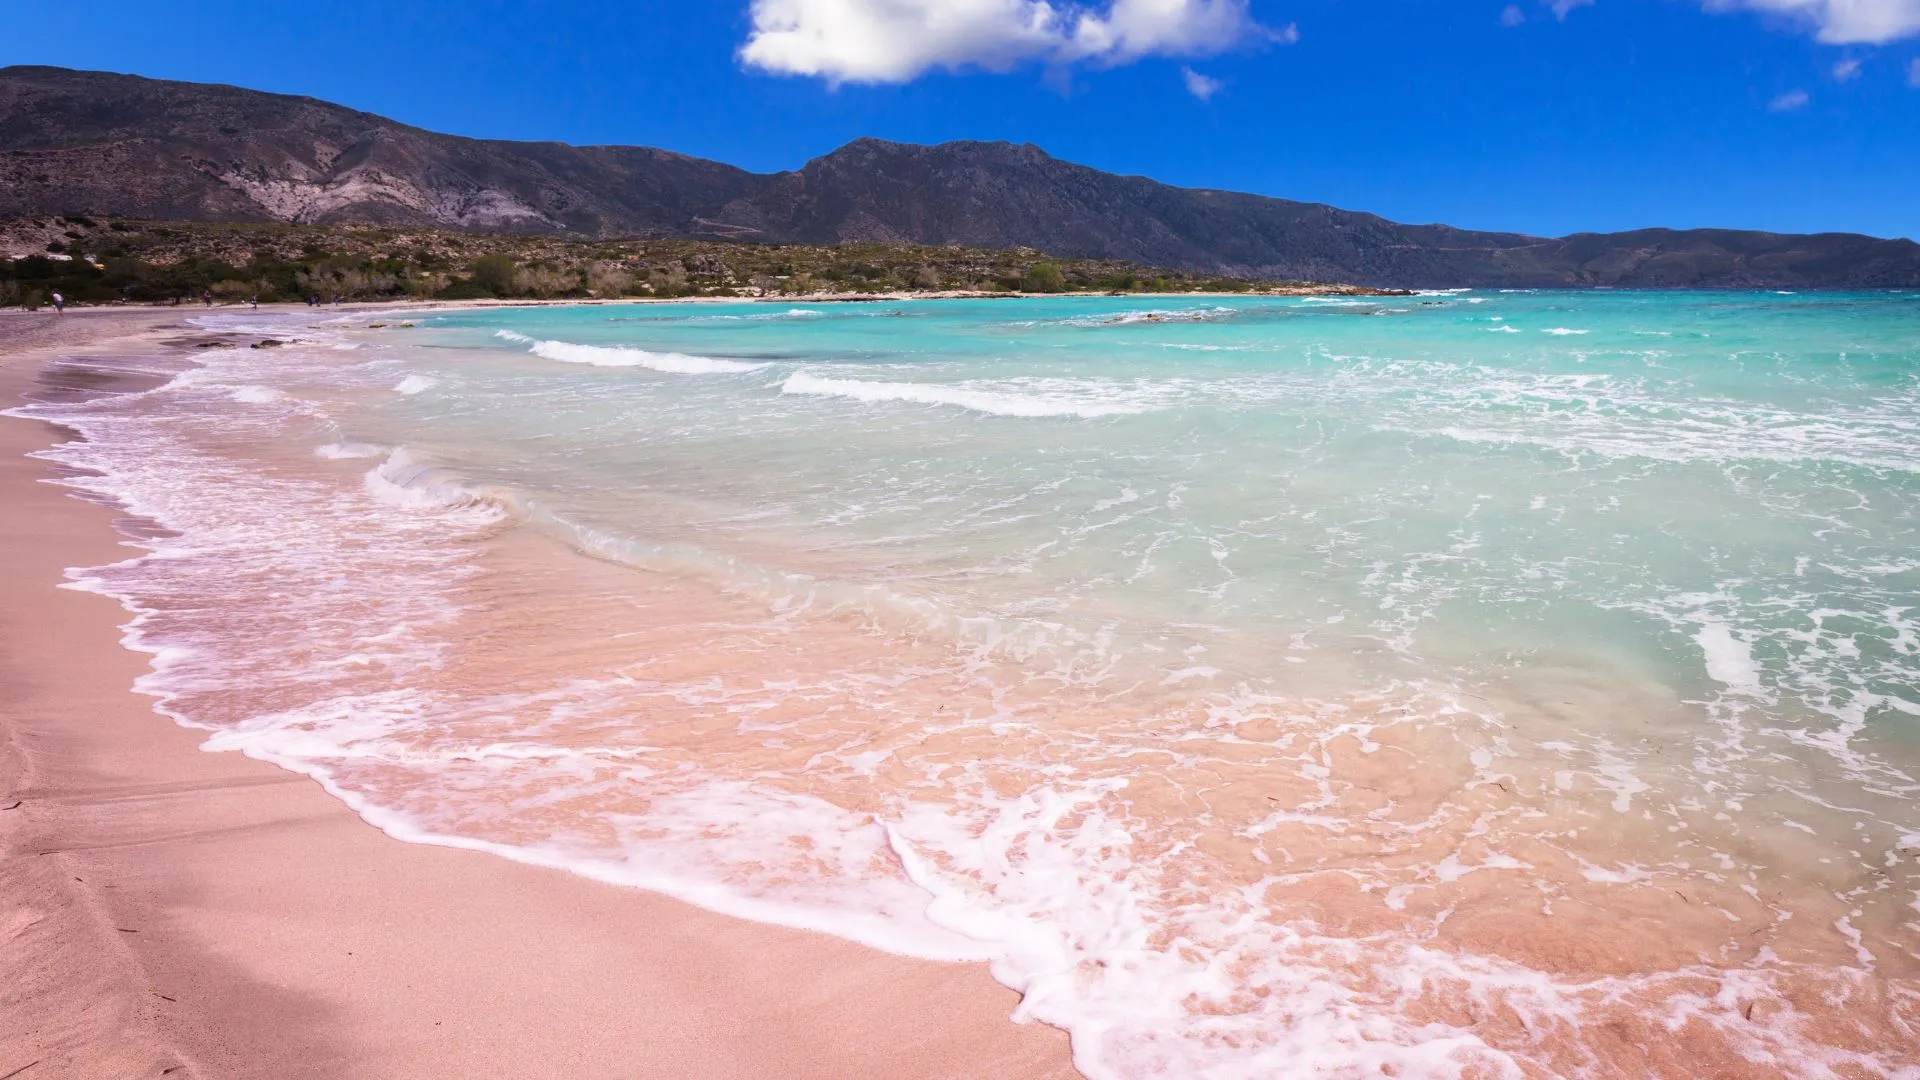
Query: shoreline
x=679 y=710
x=208 y=915
x=428 y=304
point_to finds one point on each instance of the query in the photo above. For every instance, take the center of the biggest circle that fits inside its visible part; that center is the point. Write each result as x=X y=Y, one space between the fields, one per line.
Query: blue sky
x=1539 y=116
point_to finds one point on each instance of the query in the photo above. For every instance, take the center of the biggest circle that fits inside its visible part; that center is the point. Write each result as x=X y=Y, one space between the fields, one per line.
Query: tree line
x=159 y=262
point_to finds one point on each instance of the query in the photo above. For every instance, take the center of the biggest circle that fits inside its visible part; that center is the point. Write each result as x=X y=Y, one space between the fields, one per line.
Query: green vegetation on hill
x=99 y=261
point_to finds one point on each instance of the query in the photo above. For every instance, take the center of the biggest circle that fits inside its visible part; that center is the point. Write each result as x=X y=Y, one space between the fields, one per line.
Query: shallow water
x=1472 y=684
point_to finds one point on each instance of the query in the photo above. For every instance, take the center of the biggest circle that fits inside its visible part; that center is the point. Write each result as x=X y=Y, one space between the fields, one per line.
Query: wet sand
x=170 y=912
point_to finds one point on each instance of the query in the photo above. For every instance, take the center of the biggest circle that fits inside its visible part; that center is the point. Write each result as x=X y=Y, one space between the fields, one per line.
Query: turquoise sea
x=1463 y=684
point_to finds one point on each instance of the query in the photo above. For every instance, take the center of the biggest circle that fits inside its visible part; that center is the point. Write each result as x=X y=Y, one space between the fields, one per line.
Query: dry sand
x=170 y=912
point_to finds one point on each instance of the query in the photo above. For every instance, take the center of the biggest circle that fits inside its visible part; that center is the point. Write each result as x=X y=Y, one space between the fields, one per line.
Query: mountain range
x=126 y=146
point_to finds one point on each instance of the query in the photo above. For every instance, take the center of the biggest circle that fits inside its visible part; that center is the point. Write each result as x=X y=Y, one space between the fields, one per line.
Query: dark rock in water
x=133 y=147
x=267 y=343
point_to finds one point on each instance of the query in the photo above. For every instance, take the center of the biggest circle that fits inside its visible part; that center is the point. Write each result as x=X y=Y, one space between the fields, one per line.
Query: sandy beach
x=606 y=692
x=171 y=912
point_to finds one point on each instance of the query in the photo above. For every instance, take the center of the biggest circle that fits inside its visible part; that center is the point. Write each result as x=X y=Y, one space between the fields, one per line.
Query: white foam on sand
x=1729 y=659
x=1053 y=884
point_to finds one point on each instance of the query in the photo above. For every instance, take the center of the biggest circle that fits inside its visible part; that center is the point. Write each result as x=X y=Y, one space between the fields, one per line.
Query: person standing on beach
x=59 y=304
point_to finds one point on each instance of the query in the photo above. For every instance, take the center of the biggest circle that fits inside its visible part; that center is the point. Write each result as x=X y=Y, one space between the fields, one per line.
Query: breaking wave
x=623 y=356
x=991 y=402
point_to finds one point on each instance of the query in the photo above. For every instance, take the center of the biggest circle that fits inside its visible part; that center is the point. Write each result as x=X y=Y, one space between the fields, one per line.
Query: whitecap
x=626 y=356
x=992 y=402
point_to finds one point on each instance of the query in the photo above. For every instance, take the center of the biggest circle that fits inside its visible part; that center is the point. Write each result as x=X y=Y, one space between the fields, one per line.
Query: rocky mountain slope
x=92 y=142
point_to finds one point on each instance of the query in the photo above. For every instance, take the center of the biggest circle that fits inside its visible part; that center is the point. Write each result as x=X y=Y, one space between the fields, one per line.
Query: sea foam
x=1016 y=693
x=991 y=402
x=625 y=356
x=348 y=450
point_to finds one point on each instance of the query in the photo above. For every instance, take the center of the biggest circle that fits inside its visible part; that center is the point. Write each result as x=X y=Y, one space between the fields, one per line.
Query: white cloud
x=1511 y=15
x=1199 y=85
x=1846 y=70
x=1840 y=22
x=893 y=41
x=1789 y=101
x=1835 y=22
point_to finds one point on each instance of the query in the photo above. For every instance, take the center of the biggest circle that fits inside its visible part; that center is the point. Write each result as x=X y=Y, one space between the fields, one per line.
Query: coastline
x=428 y=304
x=195 y=914
x=550 y=656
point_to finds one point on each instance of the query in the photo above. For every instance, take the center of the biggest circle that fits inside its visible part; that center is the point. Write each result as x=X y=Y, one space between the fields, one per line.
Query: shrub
x=1044 y=277
x=495 y=273
x=607 y=281
x=669 y=282
x=545 y=281
x=464 y=289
